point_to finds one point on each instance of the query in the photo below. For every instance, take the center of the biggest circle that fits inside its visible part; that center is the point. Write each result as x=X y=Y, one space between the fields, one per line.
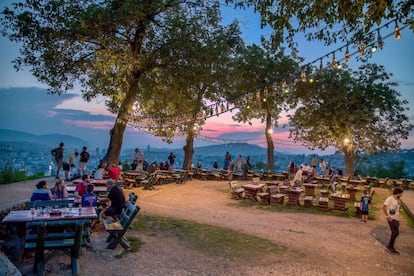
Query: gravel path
x=318 y=244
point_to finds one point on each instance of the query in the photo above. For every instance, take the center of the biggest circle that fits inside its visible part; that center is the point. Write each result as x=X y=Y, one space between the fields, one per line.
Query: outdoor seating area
x=317 y=193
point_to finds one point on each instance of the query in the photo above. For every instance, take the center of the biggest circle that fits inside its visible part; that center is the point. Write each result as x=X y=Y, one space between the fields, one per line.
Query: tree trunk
x=118 y=130
x=349 y=161
x=270 y=146
x=188 y=149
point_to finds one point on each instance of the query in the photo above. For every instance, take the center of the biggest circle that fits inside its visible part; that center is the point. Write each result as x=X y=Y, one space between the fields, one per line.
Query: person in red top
x=113 y=172
x=81 y=187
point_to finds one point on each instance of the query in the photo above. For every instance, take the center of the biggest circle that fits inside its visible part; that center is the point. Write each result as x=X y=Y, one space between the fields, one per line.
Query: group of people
x=84 y=191
x=70 y=163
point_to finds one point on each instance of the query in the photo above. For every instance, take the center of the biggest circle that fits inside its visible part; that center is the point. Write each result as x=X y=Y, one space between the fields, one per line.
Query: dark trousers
x=394 y=225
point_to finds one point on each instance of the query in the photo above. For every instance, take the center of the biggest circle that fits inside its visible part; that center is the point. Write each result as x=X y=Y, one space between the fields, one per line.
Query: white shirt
x=392 y=204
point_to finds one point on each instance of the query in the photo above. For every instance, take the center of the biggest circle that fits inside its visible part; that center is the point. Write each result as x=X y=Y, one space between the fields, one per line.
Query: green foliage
x=330 y=21
x=393 y=170
x=359 y=105
x=9 y=176
x=211 y=240
x=260 y=166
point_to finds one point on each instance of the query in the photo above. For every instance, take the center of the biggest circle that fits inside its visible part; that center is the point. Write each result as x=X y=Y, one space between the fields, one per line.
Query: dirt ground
x=317 y=244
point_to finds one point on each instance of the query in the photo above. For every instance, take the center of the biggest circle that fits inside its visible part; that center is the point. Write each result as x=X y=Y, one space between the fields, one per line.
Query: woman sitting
x=59 y=191
x=42 y=192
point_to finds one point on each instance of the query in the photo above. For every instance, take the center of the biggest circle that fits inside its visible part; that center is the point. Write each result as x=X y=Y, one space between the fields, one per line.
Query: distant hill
x=49 y=140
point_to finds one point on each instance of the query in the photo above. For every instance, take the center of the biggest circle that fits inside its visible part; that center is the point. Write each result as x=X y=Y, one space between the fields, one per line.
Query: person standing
x=67 y=166
x=138 y=158
x=391 y=209
x=239 y=163
x=58 y=154
x=171 y=158
x=83 y=161
x=365 y=201
x=314 y=161
x=246 y=168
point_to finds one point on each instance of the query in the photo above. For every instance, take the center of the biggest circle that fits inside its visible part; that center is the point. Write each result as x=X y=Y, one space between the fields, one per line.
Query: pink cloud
x=99 y=125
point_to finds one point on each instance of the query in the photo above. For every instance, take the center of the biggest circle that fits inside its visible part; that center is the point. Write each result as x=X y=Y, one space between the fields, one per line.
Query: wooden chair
x=71 y=239
x=118 y=228
x=236 y=191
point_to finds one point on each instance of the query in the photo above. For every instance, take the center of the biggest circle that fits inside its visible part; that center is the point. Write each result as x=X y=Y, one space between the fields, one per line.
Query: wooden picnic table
x=339 y=200
x=96 y=189
x=293 y=195
x=21 y=217
x=352 y=191
x=95 y=182
x=251 y=190
x=310 y=189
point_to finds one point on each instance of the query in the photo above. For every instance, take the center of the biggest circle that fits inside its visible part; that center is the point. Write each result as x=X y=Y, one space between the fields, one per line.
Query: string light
x=362 y=48
x=373 y=48
x=397 y=31
x=333 y=60
x=347 y=55
x=380 y=41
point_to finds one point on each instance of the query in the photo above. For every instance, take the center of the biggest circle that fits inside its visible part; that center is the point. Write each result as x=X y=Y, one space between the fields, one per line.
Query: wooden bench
x=50 y=203
x=71 y=238
x=277 y=198
x=118 y=228
x=323 y=203
x=236 y=191
x=308 y=201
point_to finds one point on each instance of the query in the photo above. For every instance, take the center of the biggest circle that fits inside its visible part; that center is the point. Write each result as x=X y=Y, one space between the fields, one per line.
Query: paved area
x=18 y=192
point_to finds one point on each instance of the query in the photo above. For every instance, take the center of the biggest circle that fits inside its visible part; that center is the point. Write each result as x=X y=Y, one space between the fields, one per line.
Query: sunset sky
x=92 y=120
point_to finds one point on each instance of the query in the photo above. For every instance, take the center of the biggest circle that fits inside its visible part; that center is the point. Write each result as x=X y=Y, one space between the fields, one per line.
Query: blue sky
x=68 y=114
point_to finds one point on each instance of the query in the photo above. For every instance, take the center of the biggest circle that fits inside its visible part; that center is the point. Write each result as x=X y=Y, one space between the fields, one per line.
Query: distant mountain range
x=49 y=140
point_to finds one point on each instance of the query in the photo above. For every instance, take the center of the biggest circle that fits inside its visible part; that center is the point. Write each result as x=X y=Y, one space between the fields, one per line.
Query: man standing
x=83 y=161
x=138 y=158
x=171 y=158
x=67 y=166
x=117 y=198
x=391 y=210
x=58 y=154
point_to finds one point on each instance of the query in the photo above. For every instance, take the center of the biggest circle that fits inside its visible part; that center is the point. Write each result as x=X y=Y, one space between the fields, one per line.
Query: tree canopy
x=352 y=111
x=329 y=21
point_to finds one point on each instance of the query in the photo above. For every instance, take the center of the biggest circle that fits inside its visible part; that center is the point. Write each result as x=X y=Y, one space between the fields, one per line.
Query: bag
x=54 y=152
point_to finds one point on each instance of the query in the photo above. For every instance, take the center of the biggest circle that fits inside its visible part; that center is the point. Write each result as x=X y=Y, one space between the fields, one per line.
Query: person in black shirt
x=117 y=198
x=83 y=161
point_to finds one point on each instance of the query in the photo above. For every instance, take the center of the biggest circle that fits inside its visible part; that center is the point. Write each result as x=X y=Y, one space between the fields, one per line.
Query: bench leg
x=113 y=242
x=75 y=266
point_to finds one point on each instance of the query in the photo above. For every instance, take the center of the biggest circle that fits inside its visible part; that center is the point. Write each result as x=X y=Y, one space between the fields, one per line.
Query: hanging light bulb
x=347 y=55
x=362 y=48
x=380 y=41
x=373 y=48
x=397 y=31
x=333 y=60
x=311 y=80
x=339 y=67
x=303 y=75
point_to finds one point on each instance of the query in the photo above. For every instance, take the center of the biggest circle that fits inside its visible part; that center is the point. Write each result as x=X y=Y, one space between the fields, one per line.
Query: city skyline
x=70 y=114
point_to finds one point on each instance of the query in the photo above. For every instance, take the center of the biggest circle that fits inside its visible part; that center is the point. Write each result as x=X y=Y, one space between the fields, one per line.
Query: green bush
x=10 y=176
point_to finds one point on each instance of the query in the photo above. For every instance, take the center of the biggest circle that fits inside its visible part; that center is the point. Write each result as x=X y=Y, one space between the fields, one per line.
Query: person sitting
x=113 y=172
x=117 y=198
x=100 y=173
x=59 y=191
x=89 y=199
x=126 y=166
x=80 y=188
x=42 y=192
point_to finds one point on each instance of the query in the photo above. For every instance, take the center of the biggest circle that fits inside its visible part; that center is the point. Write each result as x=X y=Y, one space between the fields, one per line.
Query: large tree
x=258 y=81
x=352 y=111
x=330 y=21
x=107 y=47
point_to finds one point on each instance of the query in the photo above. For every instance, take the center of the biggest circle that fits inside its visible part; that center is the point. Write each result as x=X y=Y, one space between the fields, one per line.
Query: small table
x=293 y=195
x=251 y=190
x=339 y=201
x=310 y=189
x=352 y=191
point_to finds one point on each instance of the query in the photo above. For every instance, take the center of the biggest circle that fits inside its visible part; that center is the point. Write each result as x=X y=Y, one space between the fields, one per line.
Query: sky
x=41 y=113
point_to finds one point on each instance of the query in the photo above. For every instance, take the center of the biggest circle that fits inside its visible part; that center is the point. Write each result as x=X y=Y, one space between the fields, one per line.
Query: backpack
x=54 y=152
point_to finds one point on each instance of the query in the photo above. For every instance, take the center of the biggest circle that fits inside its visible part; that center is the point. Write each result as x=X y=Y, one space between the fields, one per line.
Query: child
x=89 y=199
x=365 y=201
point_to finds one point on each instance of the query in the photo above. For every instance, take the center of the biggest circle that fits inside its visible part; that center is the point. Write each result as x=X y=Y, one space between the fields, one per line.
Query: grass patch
x=135 y=243
x=210 y=240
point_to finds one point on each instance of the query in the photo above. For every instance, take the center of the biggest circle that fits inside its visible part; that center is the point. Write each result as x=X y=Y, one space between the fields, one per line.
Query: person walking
x=391 y=209
x=83 y=161
x=58 y=154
